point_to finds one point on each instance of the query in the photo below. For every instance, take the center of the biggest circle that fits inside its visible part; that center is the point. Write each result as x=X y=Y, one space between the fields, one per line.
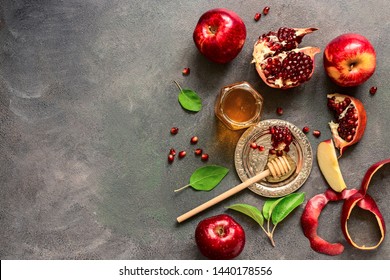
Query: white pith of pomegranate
x=350 y=120
x=279 y=62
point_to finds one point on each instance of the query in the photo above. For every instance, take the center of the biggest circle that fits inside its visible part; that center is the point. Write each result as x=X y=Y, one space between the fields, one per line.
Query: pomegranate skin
x=339 y=142
x=349 y=60
x=276 y=46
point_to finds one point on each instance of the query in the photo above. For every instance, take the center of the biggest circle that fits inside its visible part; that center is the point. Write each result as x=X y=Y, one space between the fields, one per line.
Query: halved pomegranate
x=279 y=61
x=350 y=122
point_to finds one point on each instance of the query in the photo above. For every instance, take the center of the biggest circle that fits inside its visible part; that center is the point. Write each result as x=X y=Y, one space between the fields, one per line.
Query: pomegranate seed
x=171 y=158
x=373 y=90
x=198 y=152
x=257 y=16
x=279 y=111
x=305 y=129
x=174 y=130
x=317 y=133
x=347 y=117
x=186 y=71
x=182 y=154
x=272 y=151
x=279 y=153
x=172 y=152
x=253 y=145
x=266 y=10
x=281 y=136
x=194 y=140
x=261 y=148
x=205 y=157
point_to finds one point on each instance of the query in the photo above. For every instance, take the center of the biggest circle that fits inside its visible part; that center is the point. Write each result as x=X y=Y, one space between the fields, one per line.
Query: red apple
x=220 y=237
x=220 y=35
x=349 y=60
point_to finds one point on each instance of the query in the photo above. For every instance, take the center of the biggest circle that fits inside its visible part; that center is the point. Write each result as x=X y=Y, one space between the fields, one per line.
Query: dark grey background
x=87 y=100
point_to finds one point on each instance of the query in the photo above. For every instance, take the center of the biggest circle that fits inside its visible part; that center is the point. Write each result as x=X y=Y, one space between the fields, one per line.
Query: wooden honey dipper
x=276 y=167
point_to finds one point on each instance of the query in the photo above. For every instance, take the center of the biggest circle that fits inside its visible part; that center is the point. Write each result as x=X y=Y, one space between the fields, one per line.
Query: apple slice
x=329 y=165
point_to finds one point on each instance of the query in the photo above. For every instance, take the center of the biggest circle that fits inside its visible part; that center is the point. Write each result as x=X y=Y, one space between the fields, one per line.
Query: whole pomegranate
x=279 y=61
x=350 y=122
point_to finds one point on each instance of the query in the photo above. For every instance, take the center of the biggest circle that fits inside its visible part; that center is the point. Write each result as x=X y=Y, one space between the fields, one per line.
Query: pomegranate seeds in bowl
x=281 y=138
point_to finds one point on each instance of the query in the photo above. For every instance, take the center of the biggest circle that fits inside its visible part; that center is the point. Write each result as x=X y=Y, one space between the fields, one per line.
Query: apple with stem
x=220 y=35
x=220 y=237
x=349 y=60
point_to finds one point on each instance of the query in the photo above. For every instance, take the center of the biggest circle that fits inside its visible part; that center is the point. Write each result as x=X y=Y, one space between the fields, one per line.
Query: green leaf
x=286 y=206
x=269 y=206
x=189 y=99
x=207 y=177
x=250 y=211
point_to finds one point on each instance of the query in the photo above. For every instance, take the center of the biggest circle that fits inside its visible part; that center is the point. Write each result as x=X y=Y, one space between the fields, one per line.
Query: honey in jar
x=239 y=106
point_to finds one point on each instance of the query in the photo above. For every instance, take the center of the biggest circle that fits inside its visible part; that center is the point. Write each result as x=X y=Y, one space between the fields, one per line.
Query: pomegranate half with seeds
x=279 y=61
x=351 y=119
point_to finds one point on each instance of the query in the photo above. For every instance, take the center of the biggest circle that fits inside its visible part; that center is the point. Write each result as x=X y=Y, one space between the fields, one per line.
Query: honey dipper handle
x=223 y=196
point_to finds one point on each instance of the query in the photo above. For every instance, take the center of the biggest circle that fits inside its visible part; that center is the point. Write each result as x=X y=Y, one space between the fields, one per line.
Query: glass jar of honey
x=239 y=106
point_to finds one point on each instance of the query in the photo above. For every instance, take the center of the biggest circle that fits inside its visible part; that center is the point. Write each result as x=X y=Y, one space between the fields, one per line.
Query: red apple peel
x=353 y=198
x=366 y=202
x=309 y=221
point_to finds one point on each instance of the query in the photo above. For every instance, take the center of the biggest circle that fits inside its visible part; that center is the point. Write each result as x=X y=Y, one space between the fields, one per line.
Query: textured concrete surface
x=86 y=103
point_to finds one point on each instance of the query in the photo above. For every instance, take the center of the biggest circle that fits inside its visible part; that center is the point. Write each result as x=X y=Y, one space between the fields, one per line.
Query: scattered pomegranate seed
x=253 y=145
x=171 y=158
x=198 y=152
x=205 y=157
x=257 y=16
x=194 y=140
x=266 y=10
x=182 y=154
x=261 y=148
x=174 y=130
x=172 y=151
x=373 y=90
x=317 y=133
x=279 y=111
x=305 y=129
x=186 y=71
x=272 y=151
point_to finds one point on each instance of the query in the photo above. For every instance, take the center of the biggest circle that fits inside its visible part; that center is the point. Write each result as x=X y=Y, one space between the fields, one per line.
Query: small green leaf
x=207 y=177
x=269 y=206
x=250 y=211
x=189 y=99
x=286 y=206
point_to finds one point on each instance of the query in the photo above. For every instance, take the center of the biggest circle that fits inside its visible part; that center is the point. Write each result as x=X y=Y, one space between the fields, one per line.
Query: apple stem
x=182 y=188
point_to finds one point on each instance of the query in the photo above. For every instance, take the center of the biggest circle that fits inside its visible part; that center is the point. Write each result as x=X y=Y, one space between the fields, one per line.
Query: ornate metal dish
x=249 y=161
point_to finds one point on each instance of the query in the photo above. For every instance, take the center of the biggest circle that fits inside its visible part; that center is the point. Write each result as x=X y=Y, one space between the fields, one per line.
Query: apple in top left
x=220 y=35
